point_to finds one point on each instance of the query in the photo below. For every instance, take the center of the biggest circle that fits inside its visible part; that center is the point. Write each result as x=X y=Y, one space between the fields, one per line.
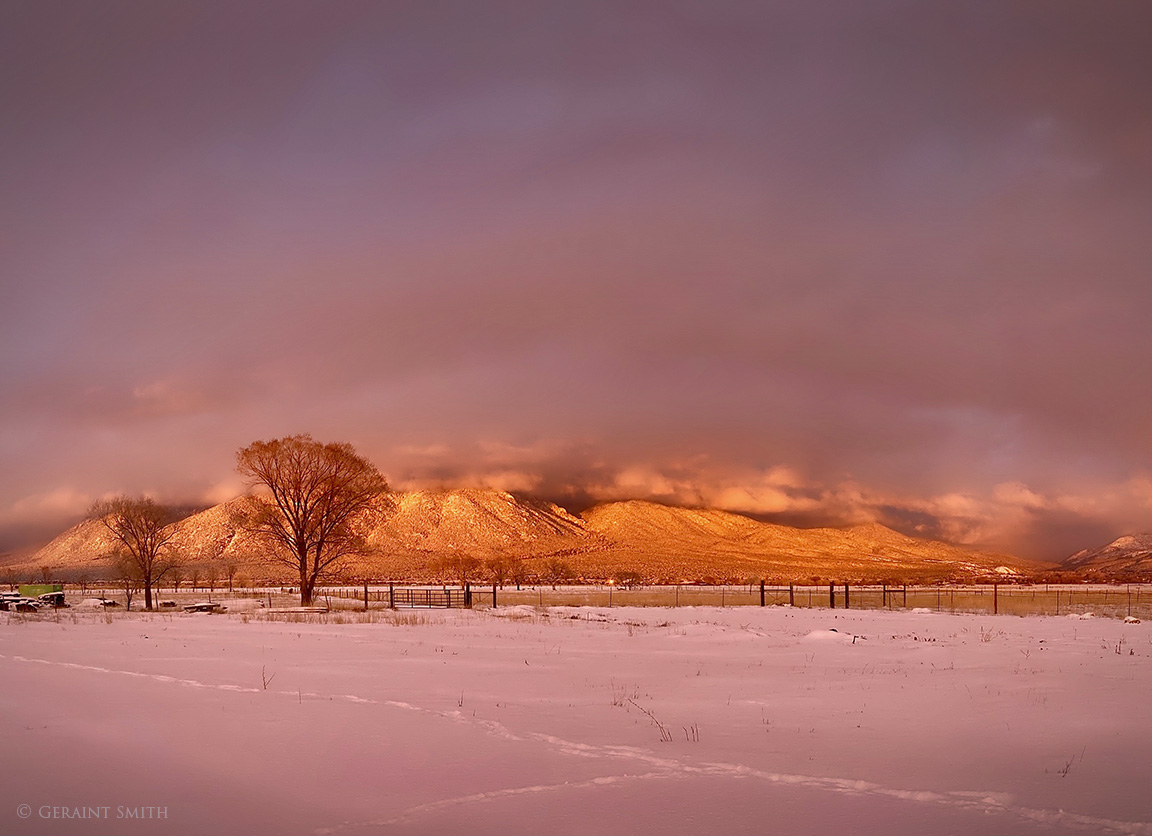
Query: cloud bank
x=819 y=262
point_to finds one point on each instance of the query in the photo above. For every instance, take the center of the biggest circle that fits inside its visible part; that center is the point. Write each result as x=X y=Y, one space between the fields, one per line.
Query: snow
x=553 y=721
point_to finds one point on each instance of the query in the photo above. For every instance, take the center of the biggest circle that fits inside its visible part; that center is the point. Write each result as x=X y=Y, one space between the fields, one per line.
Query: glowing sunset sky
x=825 y=262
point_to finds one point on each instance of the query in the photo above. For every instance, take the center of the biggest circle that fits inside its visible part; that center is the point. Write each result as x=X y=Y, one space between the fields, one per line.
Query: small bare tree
x=230 y=569
x=143 y=529
x=460 y=567
x=498 y=569
x=317 y=493
x=518 y=572
x=128 y=577
x=557 y=571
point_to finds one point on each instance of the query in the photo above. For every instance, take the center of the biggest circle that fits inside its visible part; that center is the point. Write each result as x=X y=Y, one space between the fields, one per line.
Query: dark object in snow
x=19 y=603
x=205 y=606
x=53 y=599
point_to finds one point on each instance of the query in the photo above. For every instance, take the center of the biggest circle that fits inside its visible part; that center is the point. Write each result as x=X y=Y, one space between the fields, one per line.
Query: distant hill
x=409 y=534
x=683 y=542
x=1128 y=556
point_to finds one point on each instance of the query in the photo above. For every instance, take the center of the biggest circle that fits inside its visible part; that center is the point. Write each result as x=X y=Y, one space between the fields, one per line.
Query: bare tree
x=460 y=567
x=129 y=577
x=318 y=491
x=498 y=569
x=143 y=528
x=628 y=578
x=557 y=571
x=518 y=572
x=230 y=569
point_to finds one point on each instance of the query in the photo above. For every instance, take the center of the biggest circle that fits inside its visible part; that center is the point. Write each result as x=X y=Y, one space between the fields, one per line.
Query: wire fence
x=1105 y=600
x=1115 y=601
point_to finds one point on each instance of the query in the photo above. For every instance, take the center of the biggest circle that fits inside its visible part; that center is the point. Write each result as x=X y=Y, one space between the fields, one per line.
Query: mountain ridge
x=1128 y=555
x=411 y=535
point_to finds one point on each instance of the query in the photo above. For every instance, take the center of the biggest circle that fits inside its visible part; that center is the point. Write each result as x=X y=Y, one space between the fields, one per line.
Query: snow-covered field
x=576 y=720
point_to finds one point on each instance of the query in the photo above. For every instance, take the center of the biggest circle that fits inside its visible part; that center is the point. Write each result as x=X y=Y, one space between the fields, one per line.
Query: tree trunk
x=148 y=593
x=306 y=582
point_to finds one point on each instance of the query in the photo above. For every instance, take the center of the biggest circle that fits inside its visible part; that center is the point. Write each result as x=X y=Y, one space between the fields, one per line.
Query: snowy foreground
x=582 y=721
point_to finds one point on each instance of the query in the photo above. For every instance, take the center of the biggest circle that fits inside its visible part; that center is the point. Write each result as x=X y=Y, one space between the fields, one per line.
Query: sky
x=820 y=262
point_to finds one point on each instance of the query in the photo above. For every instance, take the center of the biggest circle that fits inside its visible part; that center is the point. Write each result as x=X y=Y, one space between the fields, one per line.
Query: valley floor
x=581 y=720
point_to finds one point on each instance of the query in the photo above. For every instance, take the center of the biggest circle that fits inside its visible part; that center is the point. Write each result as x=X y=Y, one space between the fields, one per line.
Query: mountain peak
x=1128 y=555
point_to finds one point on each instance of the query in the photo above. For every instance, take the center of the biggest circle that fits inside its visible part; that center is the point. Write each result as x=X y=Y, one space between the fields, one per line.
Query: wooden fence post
x=365 y=596
x=391 y=597
x=761 y=593
x=493 y=595
x=905 y=596
x=995 y=598
x=846 y=606
x=832 y=595
x=791 y=596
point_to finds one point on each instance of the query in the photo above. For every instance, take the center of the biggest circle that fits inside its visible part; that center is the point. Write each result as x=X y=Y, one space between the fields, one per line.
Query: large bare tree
x=317 y=492
x=143 y=529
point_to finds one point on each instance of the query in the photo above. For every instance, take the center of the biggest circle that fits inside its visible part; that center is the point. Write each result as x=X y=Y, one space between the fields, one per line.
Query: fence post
x=761 y=593
x=846 y=606
x=791 y=596
x=365 y=596
x=884 y=595
x=832 y=595
x=905 y=596
x=493 y=595
x=467 y=595
x=391 y=597
x=995 y=598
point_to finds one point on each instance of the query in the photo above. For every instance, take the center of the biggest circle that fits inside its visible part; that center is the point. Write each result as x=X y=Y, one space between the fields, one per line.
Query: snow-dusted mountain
x=1127 y=556
x=409 y=535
